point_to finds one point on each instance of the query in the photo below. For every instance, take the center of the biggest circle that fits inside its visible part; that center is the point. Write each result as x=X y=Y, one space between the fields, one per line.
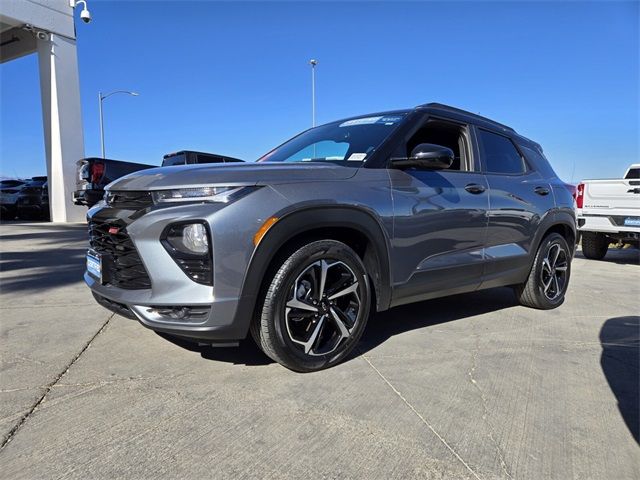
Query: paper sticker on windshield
x=360 y=121
x=356 y=157
x=390 y=120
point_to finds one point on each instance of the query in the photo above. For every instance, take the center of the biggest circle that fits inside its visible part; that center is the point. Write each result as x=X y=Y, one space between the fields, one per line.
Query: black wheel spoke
x=323 y=306
x=553 y=271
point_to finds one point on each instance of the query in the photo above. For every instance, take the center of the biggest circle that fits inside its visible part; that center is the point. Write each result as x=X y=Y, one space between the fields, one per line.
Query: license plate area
x=632 y=221
x=94 y=264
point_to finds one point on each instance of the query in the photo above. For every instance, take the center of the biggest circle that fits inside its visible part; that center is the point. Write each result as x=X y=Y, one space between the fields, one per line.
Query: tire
x=317 y=336
x=548 y=280
x=594 y=245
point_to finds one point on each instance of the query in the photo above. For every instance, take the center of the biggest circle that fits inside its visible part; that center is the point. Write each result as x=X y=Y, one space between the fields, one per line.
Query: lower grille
x=122 y=267
x=116 y=307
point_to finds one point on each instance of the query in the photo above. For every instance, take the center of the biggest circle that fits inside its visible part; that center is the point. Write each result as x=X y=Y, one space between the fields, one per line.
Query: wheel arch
x=561 y=222
x=354 y=226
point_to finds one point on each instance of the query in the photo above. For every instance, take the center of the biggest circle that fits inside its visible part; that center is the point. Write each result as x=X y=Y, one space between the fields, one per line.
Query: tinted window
x=10 y=183
x=499 y=154
x=537 y=161
x=634 y=173
x=174 y=160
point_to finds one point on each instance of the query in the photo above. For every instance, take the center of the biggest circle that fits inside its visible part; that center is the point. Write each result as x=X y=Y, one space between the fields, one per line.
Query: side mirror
x=427 y=156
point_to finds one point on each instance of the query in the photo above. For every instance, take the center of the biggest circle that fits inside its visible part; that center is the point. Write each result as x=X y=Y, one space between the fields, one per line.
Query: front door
x=440 y=220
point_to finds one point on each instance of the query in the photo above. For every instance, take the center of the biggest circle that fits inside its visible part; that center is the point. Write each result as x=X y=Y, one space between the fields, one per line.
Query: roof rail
x=442 y=106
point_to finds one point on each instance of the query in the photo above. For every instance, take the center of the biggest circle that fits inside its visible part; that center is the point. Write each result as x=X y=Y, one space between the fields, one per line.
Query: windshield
x=347 y=143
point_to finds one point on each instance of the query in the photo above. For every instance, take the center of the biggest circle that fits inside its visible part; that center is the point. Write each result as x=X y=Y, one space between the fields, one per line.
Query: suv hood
x=231 y=175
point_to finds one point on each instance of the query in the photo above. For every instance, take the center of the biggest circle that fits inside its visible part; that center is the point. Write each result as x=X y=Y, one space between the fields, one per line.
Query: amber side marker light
x=263 y=230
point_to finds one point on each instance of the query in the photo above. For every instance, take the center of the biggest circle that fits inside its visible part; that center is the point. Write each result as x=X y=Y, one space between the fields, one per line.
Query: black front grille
x=122 y=267
x=130 y=200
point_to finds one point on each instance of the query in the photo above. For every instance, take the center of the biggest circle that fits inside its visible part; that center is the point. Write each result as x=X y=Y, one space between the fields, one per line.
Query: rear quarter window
x=499 y=154
x=538 y=162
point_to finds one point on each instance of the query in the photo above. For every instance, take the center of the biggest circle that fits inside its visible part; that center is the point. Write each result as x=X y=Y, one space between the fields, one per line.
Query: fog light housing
x=189 y=244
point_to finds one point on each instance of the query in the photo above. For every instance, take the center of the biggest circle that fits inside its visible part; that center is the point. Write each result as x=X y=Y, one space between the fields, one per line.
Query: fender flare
x=299 y=221
x=563 y=217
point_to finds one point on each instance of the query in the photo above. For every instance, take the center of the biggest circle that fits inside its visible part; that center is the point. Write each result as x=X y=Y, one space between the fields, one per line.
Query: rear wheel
x=316 y=307
x=594 y=245
x=549 y=277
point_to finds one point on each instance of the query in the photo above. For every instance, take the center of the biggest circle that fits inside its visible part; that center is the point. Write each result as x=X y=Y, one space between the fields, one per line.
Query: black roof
x=458 y=111
x=464 y=115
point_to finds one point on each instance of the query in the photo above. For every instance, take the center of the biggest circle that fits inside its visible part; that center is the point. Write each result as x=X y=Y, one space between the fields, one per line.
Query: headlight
x=198 y=194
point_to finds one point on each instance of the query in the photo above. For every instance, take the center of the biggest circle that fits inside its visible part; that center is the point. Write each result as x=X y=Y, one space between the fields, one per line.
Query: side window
x=446 y=134
x=499 y=154
x=207 y=158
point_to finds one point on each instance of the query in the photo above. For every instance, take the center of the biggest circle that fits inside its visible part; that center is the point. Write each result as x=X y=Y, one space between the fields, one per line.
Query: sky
x=233 y=77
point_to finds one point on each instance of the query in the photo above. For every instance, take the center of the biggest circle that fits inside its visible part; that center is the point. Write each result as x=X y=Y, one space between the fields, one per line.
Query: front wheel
x=548 y=280
x=316 y=307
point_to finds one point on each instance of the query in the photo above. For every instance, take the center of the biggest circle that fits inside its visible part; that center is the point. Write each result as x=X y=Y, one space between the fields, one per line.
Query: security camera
x=85 y=15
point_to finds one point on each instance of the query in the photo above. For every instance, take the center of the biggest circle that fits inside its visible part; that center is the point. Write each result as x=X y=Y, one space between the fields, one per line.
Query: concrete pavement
x=471 y=386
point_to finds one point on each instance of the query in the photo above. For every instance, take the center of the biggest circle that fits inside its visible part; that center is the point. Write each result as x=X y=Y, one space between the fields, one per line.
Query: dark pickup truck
x=95 y=173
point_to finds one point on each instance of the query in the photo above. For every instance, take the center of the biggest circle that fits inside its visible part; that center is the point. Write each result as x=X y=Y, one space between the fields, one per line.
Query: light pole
x=101 y=97
x=313 y=64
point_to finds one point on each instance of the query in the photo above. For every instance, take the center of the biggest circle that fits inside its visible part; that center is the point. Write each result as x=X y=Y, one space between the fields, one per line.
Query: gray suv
x=349 y=218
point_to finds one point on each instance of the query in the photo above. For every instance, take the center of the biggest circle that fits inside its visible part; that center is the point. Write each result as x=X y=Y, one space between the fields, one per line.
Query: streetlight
x=101 y=97
x=313 y=64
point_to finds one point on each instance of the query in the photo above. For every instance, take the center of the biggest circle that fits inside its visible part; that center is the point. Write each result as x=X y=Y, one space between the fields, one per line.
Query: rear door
x=519 y=199
x=440 y=218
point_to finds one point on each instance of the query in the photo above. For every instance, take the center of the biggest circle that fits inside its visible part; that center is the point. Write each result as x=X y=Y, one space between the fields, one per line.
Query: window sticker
x=356 y=157
x=390 y=120
x=360 y=121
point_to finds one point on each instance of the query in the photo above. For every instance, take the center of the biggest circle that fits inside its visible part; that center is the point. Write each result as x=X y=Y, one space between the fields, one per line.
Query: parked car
x=29 y=203
x=190 y=157
x=95 y=173
x=609 y=212
x=352 y=217
x=9 y=190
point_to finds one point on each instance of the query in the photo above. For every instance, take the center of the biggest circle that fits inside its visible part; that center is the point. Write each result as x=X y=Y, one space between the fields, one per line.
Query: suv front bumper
x=219 y=323
x=171 y=288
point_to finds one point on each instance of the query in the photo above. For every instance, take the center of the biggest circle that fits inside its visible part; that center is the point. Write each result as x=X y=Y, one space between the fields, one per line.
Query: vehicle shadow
x=620 y=361
x=432 y=312
x=246 y=353
x=622 y=256
x=380 y=328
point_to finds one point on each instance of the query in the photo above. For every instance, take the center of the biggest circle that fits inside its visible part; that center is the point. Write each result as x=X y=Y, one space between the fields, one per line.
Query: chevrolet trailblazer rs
x=344 y=220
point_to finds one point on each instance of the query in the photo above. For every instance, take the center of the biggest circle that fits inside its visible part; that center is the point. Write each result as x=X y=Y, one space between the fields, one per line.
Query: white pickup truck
x=608 y=211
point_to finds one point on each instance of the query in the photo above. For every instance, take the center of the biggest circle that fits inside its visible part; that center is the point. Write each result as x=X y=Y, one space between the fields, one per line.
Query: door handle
x=474 y=188
x=541 y=191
